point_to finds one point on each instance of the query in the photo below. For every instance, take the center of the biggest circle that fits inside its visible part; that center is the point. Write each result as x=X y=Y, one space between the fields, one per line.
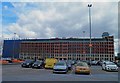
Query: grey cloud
x=104 y=18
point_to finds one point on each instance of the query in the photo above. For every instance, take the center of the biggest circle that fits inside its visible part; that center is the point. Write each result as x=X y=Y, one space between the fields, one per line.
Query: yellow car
x=50 y=62
x=82 y=67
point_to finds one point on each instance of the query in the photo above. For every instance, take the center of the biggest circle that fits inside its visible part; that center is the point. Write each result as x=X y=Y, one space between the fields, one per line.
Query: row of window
x=64 y=43
x=78 y=45
x=70 y=58
x=69 y=55
x=67 y=48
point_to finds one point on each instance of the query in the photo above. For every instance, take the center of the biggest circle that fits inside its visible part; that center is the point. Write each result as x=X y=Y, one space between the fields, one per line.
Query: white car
x=94 y=62
x=60 y=67
x=109 y=66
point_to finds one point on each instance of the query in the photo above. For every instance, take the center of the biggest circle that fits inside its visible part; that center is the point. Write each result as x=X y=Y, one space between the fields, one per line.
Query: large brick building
x=61 y=48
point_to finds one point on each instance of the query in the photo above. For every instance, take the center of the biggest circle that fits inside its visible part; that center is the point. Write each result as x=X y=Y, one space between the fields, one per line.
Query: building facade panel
x=71 y=48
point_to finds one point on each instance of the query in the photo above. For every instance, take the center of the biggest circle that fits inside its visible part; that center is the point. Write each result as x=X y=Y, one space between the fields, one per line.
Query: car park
x=27 y=63
x=29 y=74
x=82 y=68
x=38 y=64
x=109 y=66
x=60 y=67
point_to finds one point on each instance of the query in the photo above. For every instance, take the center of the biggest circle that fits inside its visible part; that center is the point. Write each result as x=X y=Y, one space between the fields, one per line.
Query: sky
x=58 y=19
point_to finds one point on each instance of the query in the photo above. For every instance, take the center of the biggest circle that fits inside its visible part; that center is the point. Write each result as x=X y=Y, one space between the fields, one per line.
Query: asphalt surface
x=17 y=73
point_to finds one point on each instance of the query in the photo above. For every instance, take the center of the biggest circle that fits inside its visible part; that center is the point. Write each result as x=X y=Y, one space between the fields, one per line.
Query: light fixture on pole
x=90 y=45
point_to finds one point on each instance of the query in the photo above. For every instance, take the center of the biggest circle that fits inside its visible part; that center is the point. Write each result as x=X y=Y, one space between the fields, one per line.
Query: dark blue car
x=27 y=63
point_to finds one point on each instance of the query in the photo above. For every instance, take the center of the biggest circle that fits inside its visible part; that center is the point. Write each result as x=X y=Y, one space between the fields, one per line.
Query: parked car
x=3 y=62
x=106 y=61
x=27 y=63
x=94 y=62
x=118 y=63
x=17 y=61
x=86 y=61
x=69 y=64
x=7 y=59
x=60 y=67
x=99 y=63
x=102 y=62
x=109 y=66
x=74 y=62
x=38 y=64
x=50 y=62
x=82 y=68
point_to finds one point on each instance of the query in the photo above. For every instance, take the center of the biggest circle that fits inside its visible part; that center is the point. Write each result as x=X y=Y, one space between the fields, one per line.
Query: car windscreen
x=38 y=62
x=110 y=63
x=69 y=62
x=28 y=61
x=82 y=64
x=60 y=64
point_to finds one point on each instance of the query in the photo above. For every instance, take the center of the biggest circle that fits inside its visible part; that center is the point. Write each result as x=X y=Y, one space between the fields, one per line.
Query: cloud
x=64 y=0
x=45 y=20
x=19 y=4
x=116 y=46
x=5 y=7
x=62 y=19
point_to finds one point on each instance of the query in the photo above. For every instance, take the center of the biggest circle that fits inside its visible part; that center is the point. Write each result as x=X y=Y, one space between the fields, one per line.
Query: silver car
x=60 y=67
x=109 y=66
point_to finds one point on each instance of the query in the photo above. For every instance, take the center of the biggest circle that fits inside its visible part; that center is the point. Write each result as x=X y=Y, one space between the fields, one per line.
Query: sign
x=84 y=52
x=90 y=45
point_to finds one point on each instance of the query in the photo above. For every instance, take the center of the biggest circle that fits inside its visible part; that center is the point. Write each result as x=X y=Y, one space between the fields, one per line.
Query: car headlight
x=76 y=68
x=39 y=65
x=65 y=68
x=54 y=67
x=27 y=63
x=107 y=67
x=116 y=67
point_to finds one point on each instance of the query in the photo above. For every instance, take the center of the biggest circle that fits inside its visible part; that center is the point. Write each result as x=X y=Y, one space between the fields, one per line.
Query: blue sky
x=58 y=19
x=8 y=15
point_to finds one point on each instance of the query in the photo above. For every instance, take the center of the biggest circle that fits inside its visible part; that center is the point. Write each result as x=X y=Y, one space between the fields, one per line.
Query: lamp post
x=84 y=45
x=90 y=45
x=14 y=46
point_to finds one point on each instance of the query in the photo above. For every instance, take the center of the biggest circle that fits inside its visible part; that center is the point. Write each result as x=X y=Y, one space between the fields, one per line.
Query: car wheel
x=29 y=66
x=88 y=73
x=76 y=73
x=105 y=69
x=53 y=72
x=42 y=67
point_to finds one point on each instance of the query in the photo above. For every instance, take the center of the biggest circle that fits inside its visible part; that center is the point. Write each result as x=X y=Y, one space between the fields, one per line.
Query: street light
x=90 y=45
x=84 y=45
x=14 y=46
